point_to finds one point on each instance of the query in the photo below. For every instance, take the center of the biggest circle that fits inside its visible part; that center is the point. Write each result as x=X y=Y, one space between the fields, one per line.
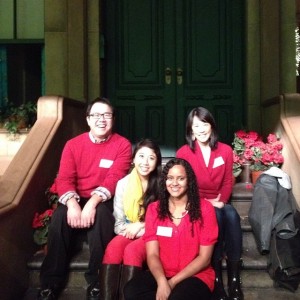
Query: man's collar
x=97 y=140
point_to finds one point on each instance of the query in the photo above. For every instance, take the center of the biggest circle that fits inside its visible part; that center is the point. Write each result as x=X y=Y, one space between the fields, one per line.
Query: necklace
x=183 y=215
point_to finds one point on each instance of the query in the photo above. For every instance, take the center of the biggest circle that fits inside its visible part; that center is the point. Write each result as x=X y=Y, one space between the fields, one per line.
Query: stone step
x=256 y=281
x=250 y=293
x=254 y=266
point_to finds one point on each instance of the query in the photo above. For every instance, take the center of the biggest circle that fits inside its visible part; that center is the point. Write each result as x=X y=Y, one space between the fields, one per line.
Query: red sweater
x=84 y=165
x=179 y=249
x=217 y=177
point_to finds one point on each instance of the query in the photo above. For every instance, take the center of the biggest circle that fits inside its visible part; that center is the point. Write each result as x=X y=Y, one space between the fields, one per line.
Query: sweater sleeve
x=226 y=187
x=120 y=217
x=66 y=180
x=151 y=222
x=209 y=232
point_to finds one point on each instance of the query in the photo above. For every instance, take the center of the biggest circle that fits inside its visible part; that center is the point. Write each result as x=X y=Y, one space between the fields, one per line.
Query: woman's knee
x=134 y=255
x=231 y=214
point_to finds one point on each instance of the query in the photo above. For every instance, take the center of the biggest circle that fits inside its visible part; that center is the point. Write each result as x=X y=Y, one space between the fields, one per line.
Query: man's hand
x=74 y=213
x=89 y=211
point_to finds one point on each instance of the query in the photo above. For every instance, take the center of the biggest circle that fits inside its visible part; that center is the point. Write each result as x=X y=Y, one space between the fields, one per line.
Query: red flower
x=41 y=220
x=271 y=138
x=250 y=146
x=37 y=222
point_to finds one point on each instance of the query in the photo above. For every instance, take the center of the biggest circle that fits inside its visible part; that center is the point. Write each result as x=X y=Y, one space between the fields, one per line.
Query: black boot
x=109 y=277
x=234 y=280
x=219 y=291
x=128 y=272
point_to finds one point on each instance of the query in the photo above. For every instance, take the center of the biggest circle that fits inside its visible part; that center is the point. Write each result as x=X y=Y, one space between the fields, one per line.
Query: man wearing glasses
x=90 y=167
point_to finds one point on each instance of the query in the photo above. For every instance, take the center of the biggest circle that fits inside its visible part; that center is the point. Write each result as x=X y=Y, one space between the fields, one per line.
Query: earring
x=193 y=137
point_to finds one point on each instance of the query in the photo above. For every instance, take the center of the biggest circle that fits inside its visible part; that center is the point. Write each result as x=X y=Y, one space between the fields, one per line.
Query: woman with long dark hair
x=126 y=252
x=212 y=163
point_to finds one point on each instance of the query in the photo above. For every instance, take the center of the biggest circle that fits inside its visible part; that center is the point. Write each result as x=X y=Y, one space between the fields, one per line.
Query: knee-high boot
x=219 y=291
x=234 y=280
x=109 y=277
x=128 y=272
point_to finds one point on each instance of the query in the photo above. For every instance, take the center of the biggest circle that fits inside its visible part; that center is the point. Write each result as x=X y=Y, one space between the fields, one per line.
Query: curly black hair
x=193 y=204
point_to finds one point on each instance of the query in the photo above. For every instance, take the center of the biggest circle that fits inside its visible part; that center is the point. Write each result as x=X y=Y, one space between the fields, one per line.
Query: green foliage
x=15 y=118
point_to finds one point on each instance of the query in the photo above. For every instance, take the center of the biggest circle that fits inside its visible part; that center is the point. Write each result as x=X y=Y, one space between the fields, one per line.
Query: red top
x=216 y=178
x=84 y=165
x=178 y=250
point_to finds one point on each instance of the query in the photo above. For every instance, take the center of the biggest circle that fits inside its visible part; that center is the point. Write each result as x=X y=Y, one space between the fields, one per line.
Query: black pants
x=60 y=240
x=144 y=287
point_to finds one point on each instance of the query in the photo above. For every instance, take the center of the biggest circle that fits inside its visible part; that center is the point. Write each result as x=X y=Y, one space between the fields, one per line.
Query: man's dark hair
x=99 y=100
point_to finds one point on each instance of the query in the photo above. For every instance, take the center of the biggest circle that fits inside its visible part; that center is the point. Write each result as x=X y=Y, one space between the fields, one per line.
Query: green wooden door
x=165 y=57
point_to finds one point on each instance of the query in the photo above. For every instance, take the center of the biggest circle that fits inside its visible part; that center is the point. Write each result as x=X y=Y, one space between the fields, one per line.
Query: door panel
x=166 y=57
x=211 y=59
x=136 y=79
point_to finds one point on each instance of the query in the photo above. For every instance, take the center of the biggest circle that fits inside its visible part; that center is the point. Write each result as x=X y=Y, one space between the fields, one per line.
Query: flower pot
x=245 y=176
x=255 y=175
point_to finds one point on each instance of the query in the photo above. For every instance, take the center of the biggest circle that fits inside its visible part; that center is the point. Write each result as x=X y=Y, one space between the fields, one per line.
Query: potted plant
x=40 y=224
x=250 y=147
x=41 y=221
x=15 y=118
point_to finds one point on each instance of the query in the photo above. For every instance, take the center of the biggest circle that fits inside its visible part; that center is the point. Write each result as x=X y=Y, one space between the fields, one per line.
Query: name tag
x=164 y=231
x=105 y=163
x=218 y=162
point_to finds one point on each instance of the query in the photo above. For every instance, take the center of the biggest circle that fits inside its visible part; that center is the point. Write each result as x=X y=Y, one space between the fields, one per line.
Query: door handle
x=179 y=76
x=168 y=75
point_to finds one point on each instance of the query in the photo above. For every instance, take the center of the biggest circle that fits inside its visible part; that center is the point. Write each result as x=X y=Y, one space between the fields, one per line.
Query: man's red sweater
x=84 y=165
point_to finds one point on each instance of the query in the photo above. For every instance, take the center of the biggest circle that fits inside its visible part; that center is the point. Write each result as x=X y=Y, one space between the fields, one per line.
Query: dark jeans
x=60 y=242
x=144 y=287
x=230 y=234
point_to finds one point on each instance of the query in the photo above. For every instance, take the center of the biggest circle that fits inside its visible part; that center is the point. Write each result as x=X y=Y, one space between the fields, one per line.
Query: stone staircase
x=256 y=282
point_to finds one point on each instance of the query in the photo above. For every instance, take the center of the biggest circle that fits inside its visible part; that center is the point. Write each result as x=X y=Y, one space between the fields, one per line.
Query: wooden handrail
x=25 y=164
x=23 y=185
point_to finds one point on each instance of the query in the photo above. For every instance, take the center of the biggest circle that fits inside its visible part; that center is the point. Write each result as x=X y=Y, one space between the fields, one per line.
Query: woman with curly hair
x=212 y=163
x=180 y=233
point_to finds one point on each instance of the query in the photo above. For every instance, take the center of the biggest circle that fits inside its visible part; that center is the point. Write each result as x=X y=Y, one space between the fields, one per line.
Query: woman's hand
x=163 y=290
x=133 y=229
x=216 y=202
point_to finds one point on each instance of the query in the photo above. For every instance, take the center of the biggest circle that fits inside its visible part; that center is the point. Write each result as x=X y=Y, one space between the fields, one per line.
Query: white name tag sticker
x=105 y=163
x=218 y=162
x=164 y=231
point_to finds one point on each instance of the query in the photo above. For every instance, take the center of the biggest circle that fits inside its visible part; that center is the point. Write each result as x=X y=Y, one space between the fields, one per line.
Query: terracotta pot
x=255 y=175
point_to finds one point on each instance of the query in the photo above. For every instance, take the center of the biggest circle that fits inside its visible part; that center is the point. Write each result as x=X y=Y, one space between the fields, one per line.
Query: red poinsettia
x=249 y=146
x=40 y=223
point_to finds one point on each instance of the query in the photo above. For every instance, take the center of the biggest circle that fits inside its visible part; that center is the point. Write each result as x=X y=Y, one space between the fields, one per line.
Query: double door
x=164 y=57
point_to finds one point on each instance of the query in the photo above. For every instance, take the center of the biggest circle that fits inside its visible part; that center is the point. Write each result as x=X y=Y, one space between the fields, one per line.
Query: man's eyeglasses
x=97 y=116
